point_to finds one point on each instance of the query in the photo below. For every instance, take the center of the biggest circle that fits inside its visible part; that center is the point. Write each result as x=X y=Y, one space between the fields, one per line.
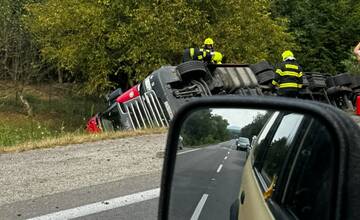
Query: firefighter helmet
x=287 y=54
x=208 y=41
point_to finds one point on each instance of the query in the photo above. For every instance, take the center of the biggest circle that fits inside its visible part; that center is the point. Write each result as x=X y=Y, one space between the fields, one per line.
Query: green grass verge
x=58 y=111
x=76 y=138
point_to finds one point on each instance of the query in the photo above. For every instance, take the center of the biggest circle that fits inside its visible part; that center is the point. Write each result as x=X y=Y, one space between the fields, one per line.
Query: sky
x=237 y=117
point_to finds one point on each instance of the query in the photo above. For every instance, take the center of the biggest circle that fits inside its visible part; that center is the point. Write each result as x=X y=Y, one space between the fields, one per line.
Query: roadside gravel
x=37 y=173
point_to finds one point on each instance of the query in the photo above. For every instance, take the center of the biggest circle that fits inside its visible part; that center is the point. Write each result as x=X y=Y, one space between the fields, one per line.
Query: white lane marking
x=228 y=152
x=188 y=151
x=101 y=206
x=219 y=169
x=226 y=158
x=199 y=207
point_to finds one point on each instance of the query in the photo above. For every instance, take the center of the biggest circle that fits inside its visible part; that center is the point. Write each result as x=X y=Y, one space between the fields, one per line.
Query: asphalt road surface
x=114 y=200
x=206 y=183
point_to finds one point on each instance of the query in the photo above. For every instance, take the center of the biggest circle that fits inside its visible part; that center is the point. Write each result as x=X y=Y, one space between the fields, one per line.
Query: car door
x=266 y=165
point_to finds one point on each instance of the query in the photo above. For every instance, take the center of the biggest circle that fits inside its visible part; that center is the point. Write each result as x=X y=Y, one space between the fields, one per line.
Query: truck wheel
x=330 y=82
x=357 y=91
x=265 y=77
x=305 y=81
x=355 y=82
x=261 y=67
x=342 y=79
x=316 y=82
x=192 y=69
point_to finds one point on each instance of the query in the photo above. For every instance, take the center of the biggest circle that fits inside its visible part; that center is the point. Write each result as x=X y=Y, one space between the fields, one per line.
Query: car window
x=309 y=193
x=279 y=146
x=264 y=132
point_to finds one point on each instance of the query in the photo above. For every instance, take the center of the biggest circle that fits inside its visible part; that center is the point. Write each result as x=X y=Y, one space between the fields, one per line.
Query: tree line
x=204 y=128
x=101 y=44
x=253 y=129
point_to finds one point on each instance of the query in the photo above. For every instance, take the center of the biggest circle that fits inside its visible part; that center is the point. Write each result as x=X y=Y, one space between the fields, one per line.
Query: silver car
x=242 y=144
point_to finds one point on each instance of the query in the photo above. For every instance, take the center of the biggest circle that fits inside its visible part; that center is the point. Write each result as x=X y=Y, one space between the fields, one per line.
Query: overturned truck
x=154 y=101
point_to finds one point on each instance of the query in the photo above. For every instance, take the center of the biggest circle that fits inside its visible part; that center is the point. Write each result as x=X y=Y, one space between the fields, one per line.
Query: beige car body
x=254 y=206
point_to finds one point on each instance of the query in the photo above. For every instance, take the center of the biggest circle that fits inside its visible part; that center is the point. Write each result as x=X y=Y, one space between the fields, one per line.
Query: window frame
x=274 y=203
x=269 y=133
x=258 y=163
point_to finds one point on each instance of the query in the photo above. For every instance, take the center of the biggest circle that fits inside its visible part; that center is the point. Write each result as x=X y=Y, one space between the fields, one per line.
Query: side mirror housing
x=175 y=178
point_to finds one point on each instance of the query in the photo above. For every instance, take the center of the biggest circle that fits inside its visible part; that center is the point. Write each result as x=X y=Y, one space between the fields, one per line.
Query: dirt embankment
x=37 y=173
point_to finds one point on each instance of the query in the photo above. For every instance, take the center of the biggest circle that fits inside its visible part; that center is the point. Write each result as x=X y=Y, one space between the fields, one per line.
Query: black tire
x=332 y=91
x=355 y=82
x=234 y=208
x=338 y=90
x=186 y=55
x=266 y=77
x=305 y=81
x=261 y=67
x=343 y=79
x=330 y=82
x=192 y=69
x=316 y=80
x=357 y=91
x=317 y=83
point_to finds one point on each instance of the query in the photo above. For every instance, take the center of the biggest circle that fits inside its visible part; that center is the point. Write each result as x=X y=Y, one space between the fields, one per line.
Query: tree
x=95 y=39
x=18 y=58
x=201 y=127
x=352 y=64
x=255 y=126
x=324 y=30
x=247 y=34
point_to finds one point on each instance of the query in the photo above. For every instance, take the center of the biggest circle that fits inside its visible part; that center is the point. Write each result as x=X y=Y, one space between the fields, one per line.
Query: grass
x=76 y=138
x=60 y=117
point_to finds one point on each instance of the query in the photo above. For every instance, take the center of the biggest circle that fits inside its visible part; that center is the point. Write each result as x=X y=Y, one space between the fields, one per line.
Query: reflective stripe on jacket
x=203 y=54
x=288 y=75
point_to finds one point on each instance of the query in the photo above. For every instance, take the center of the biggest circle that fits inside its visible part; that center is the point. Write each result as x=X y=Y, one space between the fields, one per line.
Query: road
x=56 y=206
x=217 y=170
x=45 y=181
x=206 y=182
x=63 y=181
x=87 y=180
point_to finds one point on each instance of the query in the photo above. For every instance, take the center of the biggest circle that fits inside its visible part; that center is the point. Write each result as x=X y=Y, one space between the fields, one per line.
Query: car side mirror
x=203 y=180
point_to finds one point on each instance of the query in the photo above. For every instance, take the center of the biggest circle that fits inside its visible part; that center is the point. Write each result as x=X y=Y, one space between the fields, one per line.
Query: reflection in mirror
x=214 y=144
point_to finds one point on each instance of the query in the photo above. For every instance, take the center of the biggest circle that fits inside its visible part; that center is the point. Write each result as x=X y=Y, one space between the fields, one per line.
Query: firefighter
x=208 y=49
x=288 y=77
x=206 y=53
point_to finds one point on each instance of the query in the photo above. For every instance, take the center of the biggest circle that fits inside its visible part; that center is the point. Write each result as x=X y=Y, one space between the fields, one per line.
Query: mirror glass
x=218 y=146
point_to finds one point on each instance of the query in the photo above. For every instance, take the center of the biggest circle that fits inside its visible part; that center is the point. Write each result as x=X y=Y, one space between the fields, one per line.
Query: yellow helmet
x=208 y=41
x=287 y=54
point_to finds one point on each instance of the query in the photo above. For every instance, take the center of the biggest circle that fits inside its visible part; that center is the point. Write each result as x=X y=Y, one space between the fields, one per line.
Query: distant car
x=242 y=144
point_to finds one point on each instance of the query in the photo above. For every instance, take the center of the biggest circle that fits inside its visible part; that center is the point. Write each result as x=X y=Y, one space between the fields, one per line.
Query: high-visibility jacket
x=203 y=54
x=288 y=75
